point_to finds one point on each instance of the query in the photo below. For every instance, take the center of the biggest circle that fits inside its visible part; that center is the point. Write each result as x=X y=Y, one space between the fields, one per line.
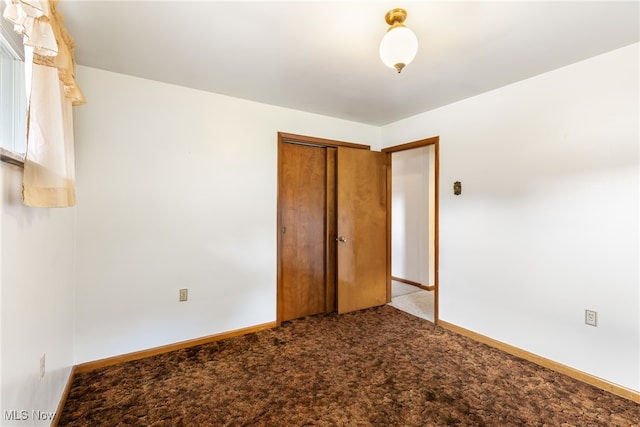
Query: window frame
x=13 y=44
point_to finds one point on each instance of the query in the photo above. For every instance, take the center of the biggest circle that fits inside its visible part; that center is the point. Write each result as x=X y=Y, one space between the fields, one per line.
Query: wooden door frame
x=290 y=138
x=435 y=141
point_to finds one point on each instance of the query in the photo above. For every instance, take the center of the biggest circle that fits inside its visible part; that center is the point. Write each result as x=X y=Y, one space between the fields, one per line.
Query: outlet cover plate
x=184 y=294
x=591 y=318
x=43 y=361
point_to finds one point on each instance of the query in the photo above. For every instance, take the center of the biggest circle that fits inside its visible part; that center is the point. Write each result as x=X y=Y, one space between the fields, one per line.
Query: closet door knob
x=342 y=239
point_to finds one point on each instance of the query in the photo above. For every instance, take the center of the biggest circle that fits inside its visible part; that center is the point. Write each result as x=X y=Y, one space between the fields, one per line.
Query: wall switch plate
x=184 y=294
x=591 y=318
x=43 y=361
x=457 y=188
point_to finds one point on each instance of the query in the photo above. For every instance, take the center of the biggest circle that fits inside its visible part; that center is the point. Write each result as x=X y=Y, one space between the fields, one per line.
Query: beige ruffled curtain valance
x=49 y=172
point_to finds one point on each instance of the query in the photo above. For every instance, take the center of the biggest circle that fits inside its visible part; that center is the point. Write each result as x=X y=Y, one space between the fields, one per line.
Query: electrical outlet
x=591 y=318
x=184 y=294
x=43 y=361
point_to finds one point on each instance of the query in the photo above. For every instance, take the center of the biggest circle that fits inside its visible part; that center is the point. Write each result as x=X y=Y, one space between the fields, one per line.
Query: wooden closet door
x=303 y=198
x=362 y=229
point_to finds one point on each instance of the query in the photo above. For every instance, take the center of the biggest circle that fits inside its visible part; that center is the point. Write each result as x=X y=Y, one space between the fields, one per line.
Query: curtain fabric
x=49 y=172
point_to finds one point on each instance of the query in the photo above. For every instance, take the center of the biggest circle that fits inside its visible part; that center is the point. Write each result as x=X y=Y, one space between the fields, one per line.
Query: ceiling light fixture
x=400 y=45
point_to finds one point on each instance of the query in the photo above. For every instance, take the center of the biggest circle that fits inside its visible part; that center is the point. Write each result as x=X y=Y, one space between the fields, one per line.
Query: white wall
x=177 y=188
x=37 y=264
x=547 y=223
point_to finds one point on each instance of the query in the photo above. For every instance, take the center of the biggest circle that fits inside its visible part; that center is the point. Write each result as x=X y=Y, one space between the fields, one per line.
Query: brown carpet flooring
x=376 y=367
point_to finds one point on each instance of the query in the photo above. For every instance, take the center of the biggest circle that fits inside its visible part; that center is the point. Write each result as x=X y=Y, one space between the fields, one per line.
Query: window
x=13 y=100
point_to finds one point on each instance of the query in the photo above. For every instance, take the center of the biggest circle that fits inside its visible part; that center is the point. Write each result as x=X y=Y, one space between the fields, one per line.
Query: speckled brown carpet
x=376 y=367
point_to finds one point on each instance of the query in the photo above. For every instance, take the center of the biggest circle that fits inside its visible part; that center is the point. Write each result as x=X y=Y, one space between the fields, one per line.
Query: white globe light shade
x=399 y=46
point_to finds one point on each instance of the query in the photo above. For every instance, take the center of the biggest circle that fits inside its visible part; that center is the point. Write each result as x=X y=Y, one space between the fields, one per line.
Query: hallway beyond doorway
x=412 y=300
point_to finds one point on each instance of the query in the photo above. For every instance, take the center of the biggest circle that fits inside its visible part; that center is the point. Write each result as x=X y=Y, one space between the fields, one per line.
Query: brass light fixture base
x=395 y=17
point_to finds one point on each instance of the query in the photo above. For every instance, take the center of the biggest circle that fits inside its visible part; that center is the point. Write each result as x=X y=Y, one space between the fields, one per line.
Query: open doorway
x=414 y=227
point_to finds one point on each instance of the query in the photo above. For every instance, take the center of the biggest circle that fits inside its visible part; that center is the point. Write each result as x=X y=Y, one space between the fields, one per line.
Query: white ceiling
x=322 y=57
